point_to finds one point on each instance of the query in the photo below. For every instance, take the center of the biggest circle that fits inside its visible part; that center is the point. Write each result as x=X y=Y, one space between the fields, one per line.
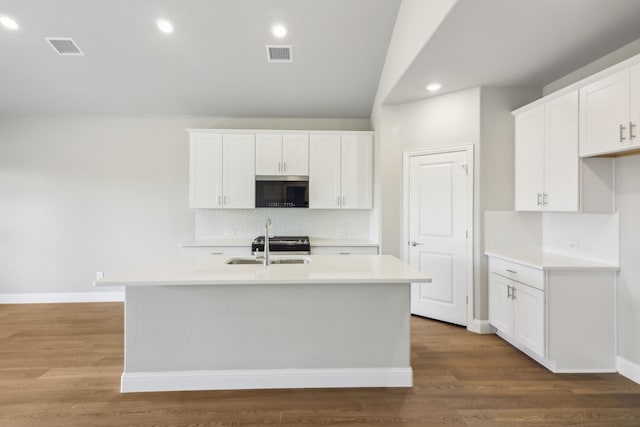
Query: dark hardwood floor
x=60 y=365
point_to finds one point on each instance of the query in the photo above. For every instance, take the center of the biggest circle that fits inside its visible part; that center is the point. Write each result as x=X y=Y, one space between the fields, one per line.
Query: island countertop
x=213 y=270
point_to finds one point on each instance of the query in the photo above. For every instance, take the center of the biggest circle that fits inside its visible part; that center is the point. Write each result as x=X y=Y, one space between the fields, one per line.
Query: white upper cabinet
x=356 y=172
x=222 y=174
x=341 y=171
x=278 y=154
x=546 y=158
x=610 y=113
x=529 y=158
x=205 y=170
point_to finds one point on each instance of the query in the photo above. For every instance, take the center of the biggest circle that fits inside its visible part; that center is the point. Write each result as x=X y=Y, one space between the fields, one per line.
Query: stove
x=283 y=245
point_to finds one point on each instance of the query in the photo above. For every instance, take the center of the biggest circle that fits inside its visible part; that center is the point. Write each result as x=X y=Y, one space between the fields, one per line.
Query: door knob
x=412 y=243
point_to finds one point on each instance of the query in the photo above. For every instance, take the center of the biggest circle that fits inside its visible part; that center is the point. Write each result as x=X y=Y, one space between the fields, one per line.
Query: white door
x=205 y=171
x=561 y=159
x=438 y=226
x=238 y=171
x=295 y=154
x=604 y=114
x=529 y=159
x=500 y=303
x=268 y=154
x=324 y=171
x=528 y=317
x=356 y=172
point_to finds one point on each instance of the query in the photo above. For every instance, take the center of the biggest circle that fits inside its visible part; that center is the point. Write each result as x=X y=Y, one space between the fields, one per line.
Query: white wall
x=85 y=194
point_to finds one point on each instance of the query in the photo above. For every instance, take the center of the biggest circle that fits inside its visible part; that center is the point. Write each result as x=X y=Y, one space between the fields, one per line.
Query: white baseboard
x=61 y=297
x=265 y=378
x=629 y=369
x=480 y=327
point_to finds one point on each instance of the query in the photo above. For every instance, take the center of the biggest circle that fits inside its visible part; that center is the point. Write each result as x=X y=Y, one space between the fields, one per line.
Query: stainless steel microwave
x=282 y=192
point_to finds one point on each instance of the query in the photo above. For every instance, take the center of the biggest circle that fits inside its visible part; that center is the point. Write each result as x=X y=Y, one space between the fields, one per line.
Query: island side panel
x=266 y=327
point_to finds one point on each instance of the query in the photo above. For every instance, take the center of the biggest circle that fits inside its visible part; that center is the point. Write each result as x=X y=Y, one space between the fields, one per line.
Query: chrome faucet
x=267 y=234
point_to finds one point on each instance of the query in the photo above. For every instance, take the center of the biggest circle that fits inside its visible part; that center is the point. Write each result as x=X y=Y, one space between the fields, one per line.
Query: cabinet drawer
x=216 y=250
x=518 y=272
x=344 y=250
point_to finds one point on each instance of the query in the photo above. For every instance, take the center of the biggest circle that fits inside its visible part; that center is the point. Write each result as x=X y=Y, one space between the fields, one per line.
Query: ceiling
x=215 y=62
x=528 y=43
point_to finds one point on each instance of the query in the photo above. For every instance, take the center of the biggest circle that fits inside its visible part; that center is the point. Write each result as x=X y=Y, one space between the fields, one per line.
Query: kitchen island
x=199 y=323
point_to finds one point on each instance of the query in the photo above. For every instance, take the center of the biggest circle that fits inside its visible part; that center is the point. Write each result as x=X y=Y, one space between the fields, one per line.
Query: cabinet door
x=356 y=172
x=604 y=115
x=295 y=154
x=634 y=106
x=324 y=171
x=528 y=317
x=561 y=174
x=205 y=171
x=268 y=154
x=238 y=171
x=529 y=160
x=500 y=305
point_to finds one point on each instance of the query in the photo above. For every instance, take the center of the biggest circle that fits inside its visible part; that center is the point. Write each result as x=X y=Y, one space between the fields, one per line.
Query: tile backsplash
x=241 y=223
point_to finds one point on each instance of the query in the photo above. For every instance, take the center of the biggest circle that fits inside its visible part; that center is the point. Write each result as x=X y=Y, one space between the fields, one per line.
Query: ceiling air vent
x=279 y=54
x=64 y=46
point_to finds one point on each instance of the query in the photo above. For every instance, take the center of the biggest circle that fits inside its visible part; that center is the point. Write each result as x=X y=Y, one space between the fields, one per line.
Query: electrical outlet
x=99 y=275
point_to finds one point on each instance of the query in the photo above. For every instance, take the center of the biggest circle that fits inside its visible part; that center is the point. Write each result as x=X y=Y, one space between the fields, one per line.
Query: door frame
x=406 y=158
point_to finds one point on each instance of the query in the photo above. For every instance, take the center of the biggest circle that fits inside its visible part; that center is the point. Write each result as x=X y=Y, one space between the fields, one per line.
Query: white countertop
x=246 y=241
x=213 y=270
x=550 y=261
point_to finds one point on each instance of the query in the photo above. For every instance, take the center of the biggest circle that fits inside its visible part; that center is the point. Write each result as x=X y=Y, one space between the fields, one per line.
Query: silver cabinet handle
x=219 y=200
x=338 y=201
x=224 y=200
x=279 y=167
x=513 y=292
x=217 y=253
x=622 y=128
x=284 y=167
x=545 y=200
x=508 y=291
x=412 y=243
x=344 y=201
x=344 y=253
x=539 y=199
x=631 y=135
x=511 y=271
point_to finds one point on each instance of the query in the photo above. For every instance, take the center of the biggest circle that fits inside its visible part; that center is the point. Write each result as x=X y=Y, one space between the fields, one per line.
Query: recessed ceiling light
x=433 y=87
x=165 y=26
x=279 y=30
x=8 y=23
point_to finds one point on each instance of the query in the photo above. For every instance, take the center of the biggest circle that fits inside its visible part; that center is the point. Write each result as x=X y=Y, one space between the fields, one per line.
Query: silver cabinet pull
x=217 y=253
x=344 y=253
x=622 y=128
x=279 y=167
x=508 y=291
x=224 y=200
x=513 y=292
x=511 y=271
x=545 y=199
x=344 y=201
x=412 y=243
x=338 y=201
x=631 y=134
x=284 y=167
x=539 y=199
x=219 y=200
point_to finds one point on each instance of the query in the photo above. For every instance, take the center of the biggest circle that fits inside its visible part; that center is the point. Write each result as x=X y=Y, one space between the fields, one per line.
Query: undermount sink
x=249 y=261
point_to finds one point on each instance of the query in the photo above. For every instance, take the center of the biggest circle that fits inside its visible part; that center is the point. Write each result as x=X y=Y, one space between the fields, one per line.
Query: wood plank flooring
x=60 y=365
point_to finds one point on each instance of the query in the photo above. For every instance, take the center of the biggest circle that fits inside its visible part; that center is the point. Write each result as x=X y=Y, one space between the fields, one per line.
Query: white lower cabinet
x=564 y=318
x=517 y=310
